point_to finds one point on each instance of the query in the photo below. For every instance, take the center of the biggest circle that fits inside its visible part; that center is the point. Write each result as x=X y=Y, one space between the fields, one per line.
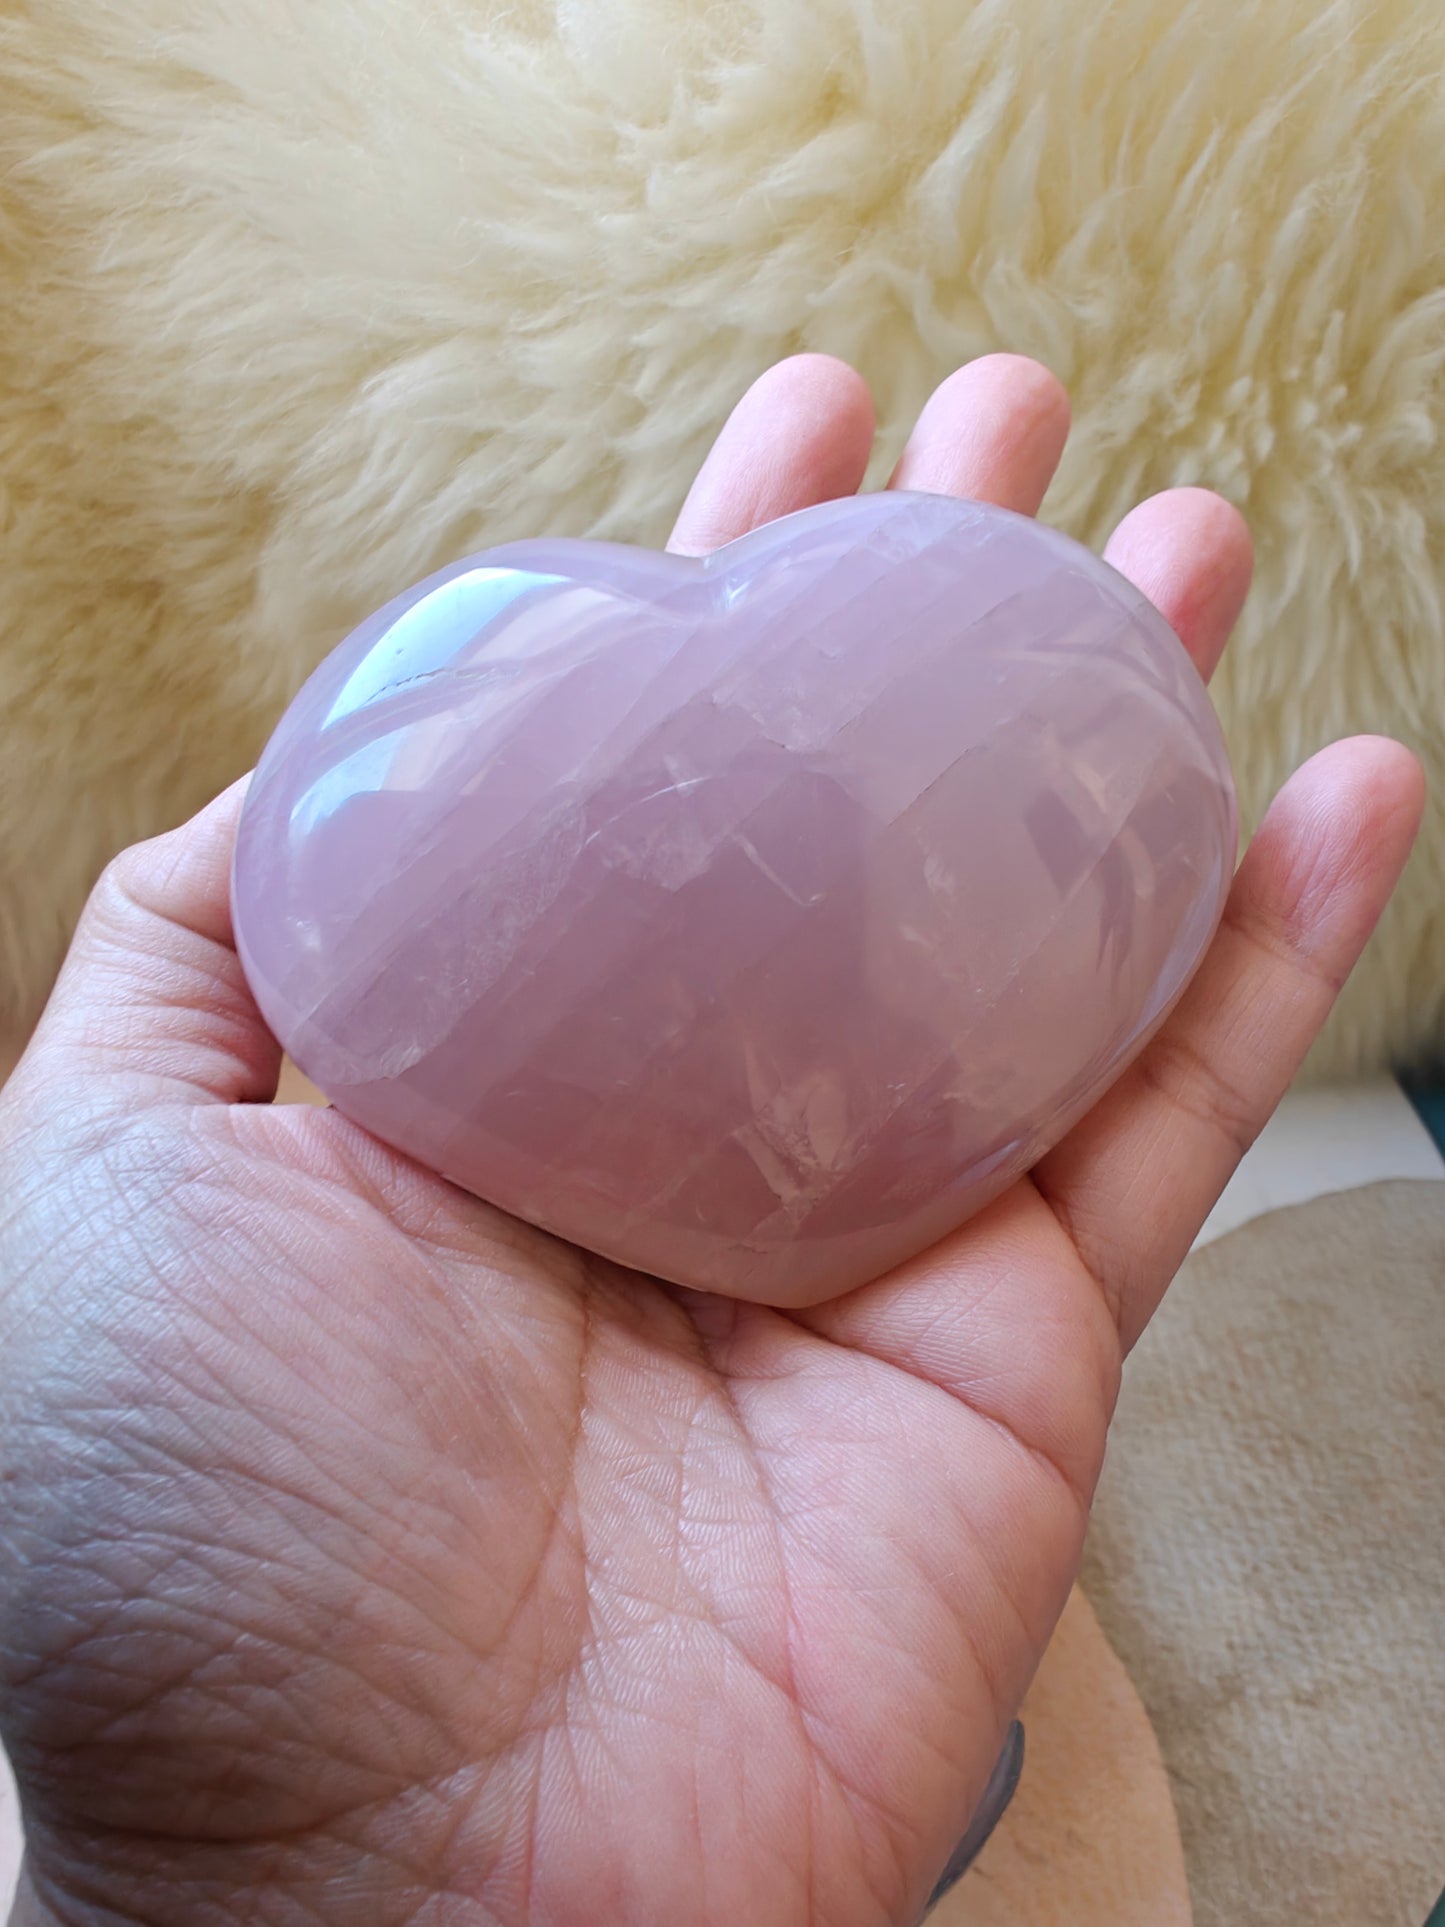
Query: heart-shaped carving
x=750 y=921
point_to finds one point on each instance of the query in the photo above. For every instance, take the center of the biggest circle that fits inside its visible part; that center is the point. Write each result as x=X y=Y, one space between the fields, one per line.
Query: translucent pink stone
x=750 y=921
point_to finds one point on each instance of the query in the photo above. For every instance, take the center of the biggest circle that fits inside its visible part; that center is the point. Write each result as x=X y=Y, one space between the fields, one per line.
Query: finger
x=994 y=432
x=1191 y=554
x=1135 y=1181
x=802 y=434
x=152 y=1004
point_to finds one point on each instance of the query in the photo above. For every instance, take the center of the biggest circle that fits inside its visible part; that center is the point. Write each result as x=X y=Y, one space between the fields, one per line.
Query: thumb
x=151 y=1005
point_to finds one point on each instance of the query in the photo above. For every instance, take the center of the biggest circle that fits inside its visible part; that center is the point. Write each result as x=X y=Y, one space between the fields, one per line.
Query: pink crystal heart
x=750 y=921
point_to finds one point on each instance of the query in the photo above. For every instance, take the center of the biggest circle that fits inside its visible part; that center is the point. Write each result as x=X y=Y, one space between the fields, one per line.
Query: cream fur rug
x=1268 y=1557
x=300 y=300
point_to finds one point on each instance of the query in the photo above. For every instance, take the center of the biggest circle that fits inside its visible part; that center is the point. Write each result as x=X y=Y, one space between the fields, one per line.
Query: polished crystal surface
x=751 y=921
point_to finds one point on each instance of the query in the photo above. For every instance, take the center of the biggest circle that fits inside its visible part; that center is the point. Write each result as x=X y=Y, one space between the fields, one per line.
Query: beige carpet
x=1268 y=1558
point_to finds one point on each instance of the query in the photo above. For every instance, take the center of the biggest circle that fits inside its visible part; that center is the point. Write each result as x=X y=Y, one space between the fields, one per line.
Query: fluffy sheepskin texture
x=302 y=298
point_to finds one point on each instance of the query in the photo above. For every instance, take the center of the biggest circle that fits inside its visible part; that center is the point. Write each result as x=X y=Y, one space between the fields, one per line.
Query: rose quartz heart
x=751 y=921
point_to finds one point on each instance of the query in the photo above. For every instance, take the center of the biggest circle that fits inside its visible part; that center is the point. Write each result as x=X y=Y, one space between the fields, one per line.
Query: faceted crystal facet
x=750 y=921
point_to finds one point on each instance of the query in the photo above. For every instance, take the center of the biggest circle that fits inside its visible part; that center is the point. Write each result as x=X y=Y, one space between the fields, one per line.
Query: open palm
x=366 y=1555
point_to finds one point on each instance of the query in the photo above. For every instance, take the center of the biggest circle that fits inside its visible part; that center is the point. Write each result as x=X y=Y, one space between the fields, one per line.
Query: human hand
x=367 y=1555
